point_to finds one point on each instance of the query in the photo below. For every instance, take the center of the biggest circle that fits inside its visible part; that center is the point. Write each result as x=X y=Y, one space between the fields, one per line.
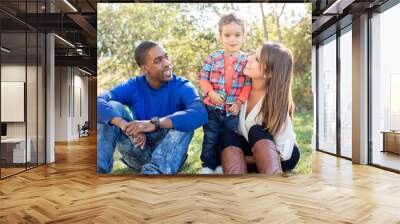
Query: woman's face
x=253 y=67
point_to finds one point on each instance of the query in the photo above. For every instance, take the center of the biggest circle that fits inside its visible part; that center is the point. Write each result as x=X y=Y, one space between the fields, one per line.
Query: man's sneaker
x=206 y=170
x=219 y=170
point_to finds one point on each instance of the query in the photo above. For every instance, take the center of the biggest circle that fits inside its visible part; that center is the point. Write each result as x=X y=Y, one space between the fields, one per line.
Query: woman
x=265 y=127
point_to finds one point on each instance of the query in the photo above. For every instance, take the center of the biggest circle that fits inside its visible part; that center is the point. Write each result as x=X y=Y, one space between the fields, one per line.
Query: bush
x=302 y=92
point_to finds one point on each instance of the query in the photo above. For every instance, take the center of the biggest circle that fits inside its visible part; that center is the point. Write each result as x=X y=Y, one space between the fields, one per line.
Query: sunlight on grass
x=303 y=127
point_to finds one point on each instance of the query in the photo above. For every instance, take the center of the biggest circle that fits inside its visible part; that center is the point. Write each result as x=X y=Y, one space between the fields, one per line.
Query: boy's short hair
x=226 y=19
x=141 y=51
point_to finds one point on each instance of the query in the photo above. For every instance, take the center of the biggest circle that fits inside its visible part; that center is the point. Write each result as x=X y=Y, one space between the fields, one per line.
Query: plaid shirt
x=213 y=71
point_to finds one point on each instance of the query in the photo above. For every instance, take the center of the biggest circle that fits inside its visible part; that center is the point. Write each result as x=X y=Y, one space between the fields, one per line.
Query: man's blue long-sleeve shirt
x=177 y=99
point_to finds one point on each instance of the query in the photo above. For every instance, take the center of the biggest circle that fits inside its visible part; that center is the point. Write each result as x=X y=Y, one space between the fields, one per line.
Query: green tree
x=180 y=29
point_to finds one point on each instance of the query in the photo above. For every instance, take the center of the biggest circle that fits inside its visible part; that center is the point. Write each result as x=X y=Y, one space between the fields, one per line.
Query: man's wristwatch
x=156 y=122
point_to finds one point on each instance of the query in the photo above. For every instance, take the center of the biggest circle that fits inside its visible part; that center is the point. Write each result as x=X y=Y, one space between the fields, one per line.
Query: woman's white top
x=284 y=140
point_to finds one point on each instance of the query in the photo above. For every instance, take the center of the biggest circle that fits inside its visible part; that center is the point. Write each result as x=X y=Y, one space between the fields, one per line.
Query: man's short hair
x=227 y=19
x=141 y=51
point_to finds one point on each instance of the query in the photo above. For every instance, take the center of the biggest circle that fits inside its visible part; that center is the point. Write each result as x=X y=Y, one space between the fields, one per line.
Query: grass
x=303 y=126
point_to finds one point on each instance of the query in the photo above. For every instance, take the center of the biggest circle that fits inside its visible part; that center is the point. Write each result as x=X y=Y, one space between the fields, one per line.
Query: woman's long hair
x=277 y=64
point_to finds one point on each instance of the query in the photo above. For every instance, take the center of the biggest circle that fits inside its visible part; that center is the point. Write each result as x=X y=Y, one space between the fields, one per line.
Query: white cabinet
x=18 y=149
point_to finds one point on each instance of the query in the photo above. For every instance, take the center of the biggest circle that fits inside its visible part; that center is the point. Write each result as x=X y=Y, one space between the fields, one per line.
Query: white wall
x=80 y=110
x=61 y=103
x=12 y=100
x=13 y=73
x=69 y=85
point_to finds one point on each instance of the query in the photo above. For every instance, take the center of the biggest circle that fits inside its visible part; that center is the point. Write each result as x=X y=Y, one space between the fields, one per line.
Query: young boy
x=225 y=88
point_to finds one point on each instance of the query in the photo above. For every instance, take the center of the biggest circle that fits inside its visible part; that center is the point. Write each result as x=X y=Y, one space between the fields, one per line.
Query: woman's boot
x=233 y=162
x=267 y=158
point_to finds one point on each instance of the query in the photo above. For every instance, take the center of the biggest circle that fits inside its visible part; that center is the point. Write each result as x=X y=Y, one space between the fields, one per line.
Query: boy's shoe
x=206 y=170
x=218 y=170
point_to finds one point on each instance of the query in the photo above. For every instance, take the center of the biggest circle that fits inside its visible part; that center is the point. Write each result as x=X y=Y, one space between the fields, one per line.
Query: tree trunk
x=264 y=23
x=277 y=21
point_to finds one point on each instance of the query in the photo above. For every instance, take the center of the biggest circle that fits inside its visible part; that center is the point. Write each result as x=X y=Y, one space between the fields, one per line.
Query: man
x=166 y=110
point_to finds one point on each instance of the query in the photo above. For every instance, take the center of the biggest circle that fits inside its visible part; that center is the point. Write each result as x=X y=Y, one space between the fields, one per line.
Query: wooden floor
x=387 y=159
x=70 y=191
x=10 y=171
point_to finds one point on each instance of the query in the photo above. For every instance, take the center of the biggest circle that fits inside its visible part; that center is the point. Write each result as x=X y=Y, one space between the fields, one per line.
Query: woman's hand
x=235 y=108
x=216 y=98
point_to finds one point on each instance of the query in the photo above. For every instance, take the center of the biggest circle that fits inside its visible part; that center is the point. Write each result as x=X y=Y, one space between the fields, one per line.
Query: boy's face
x=232 y=37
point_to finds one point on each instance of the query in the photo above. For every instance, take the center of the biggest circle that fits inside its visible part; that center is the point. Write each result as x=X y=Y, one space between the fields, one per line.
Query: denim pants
x=163 y=152
x=218 y=122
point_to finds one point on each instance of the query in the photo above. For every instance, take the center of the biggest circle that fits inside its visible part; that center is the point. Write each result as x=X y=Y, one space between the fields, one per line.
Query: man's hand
x=140 y=140
x=216 y=98
x=134 y=128
x=235 y=108
x=119 y=122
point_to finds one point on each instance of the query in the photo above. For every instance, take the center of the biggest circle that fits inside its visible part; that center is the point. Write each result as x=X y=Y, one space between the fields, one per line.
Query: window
x=327 y=95
x=385 y=85
x=23 y=76
x=346 y=92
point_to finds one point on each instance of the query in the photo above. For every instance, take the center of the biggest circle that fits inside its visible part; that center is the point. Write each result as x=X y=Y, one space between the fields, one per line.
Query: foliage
x=302 y=93
x=180 y=29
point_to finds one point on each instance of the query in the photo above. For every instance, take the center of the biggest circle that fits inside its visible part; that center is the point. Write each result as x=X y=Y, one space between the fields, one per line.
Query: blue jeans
x=163 y=152
x=218 y=122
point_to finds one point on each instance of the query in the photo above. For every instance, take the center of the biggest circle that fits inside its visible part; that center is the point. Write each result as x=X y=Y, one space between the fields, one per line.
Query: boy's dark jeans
x=217 y=123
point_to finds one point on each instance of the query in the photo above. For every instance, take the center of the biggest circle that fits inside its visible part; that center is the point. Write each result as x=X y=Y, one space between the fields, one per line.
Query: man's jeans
x=218 y=122
x=163 y=153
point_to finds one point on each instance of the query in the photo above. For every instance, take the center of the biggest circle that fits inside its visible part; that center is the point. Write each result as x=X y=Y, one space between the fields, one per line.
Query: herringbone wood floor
x=70 y=191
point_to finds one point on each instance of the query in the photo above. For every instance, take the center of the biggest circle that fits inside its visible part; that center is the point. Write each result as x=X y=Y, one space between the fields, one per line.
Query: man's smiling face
x=158 y=65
